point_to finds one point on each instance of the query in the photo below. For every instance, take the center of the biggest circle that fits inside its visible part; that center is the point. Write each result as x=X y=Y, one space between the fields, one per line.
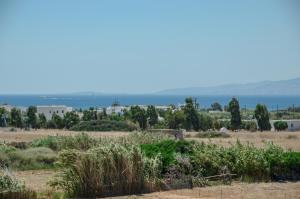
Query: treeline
x=187 y=117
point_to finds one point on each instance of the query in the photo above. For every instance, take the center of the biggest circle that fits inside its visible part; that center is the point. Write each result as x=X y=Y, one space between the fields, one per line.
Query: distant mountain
x=283 y=87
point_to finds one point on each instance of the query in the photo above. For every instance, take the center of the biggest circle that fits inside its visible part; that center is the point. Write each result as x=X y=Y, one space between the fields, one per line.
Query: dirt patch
x=287 y=190
x=35 y=179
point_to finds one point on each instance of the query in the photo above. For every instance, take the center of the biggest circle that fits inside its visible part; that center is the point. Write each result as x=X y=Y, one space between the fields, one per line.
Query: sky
x=145 y=46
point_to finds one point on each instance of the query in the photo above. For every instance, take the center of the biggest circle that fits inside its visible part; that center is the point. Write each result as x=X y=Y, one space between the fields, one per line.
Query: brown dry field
x=287 y=140
x=37 y=180
x=27 y=136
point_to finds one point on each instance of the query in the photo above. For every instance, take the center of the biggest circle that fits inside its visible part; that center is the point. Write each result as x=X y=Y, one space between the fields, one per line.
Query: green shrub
x=249 y=126
x=212 y=134
x=167 y=150
x=81 y=142
x=280 y=125
x=105 y=171
x=32 y=158
x=8 y=182
x=104 y=125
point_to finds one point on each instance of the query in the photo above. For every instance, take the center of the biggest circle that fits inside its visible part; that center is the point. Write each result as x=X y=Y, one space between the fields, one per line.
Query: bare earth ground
x=287 y=140
x=287 y=190
x=37 y=180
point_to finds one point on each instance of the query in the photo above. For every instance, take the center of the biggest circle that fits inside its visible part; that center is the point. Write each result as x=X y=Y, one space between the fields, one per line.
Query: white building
x=48 y=111
x=119 y=110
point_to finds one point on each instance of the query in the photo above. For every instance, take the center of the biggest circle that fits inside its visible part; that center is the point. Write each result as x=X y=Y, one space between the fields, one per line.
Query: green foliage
x=152 y=115
x=212 y=134
x=31 y=117
x=166 y=150
x=234 y=109
x=16 y=118
x=262 y=116
x=9 y=183
x=42 y=121
x=206 y=122
x=104 y=125
x=32 y=158
x=249 y=126
x=139 y=115
x=216 y=106
x=56 y=122
x=105 y=171
x=70 y=119
x=89 y=115
x=175 y=119
x=57 y=143
x=280 y=125
x=191 y=115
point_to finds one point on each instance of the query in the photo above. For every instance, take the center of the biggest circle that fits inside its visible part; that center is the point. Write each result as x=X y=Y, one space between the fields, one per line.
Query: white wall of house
x=49 y=110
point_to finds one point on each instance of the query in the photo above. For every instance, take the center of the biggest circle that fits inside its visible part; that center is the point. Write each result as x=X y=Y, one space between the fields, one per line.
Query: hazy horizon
x=136 y=47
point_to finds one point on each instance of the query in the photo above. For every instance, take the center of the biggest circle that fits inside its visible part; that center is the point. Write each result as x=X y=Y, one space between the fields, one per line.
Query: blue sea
x=86 y=101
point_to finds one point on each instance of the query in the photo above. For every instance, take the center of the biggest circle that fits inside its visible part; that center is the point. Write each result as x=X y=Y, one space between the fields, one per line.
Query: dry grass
x=27 y=136
x=287 y=190
x=37 y=180
x=287 y=140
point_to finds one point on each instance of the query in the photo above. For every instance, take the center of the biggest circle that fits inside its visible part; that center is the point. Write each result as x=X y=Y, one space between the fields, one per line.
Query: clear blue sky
x=145 y=46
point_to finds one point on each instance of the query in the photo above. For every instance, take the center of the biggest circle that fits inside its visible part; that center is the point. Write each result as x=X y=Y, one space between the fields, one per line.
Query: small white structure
x=293 y=125
x=48 y=111
x=119 y=110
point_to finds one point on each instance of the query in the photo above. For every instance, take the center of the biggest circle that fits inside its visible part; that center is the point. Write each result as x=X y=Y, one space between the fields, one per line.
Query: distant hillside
x=284 y=87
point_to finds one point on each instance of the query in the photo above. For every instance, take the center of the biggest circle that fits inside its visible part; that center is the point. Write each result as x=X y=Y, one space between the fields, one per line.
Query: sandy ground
x=287 y=190
x=27 y=136
x=37 y=180
x=287 y=140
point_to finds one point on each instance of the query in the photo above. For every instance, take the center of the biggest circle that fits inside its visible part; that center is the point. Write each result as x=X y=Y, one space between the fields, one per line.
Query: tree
x=42 y=120
x=31 y=117
x=234 y=109
x=206 y=122
x=175 y=119
x=262 y=116
x=3 y=117
x=57 y=121
x=280 y=125
x=139 y=115
x=191 y=115
x=89 y=115
x=71 y=119
x=152 y=115
x=216 y=106
x=16 y=118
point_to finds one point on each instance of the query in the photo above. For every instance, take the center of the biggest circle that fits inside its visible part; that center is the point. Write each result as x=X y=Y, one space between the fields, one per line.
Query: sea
x=86 y=101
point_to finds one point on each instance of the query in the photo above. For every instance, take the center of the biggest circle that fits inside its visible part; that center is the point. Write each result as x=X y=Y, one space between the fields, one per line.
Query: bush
x=57 y=143
x=104 y=125
x=105 y=171
x=249 y=126
x=11 y=188
x=32 y=158
x=8 y=182
x=280 y=125
x=212 y=134
x=167 y=150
